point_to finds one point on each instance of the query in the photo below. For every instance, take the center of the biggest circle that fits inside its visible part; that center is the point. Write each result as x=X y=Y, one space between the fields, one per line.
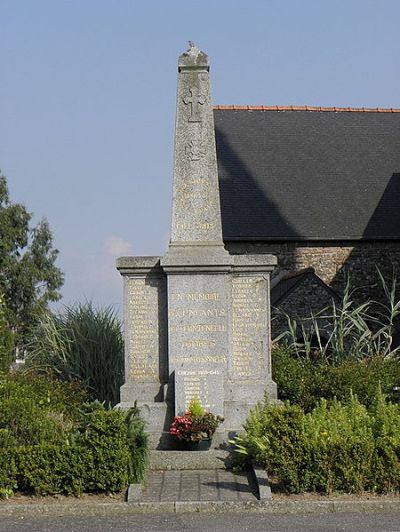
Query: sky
x=87 y=104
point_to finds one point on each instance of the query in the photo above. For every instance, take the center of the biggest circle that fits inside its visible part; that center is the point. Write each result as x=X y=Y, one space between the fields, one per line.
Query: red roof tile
x=304 y=108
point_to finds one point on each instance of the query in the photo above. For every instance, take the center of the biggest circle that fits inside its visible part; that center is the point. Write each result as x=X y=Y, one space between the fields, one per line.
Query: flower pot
x=202 y=445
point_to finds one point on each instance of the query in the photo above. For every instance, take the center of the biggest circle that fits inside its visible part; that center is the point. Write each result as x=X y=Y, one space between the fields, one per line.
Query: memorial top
x=193 y=58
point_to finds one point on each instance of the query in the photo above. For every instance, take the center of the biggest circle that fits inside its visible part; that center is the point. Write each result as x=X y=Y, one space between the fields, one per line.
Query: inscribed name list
x=249 y=327
x=144 y=328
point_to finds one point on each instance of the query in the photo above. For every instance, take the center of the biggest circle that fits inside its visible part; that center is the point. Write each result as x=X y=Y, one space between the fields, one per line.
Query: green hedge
x=304 y=382
x=335 y=447
x=47 y=448
x=97 y=461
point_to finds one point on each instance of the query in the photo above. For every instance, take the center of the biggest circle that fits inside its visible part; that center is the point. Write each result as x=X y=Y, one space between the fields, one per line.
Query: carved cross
x=195 y=99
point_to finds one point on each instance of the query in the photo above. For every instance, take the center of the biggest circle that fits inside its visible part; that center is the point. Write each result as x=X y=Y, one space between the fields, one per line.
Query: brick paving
x=198 y=486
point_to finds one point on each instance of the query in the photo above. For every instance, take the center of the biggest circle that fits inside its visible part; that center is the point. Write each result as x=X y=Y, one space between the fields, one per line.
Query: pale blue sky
x=87 y=106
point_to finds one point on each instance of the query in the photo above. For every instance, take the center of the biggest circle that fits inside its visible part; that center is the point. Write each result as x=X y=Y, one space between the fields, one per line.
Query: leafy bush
x=47 y=448
x=105 y=439
x=81 y=343
x=27 y=400
x=336 y=447
x=304 y=381
x=273 y=438
x=96 y=461
x=8 y=470
x=48 y=469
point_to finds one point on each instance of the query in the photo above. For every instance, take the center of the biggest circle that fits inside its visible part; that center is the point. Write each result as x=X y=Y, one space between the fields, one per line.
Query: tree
x=29 y=278
x=6 y=340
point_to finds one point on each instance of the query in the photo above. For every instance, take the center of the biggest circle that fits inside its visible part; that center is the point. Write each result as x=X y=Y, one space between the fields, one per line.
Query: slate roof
x=308 y=173
x=290 y=281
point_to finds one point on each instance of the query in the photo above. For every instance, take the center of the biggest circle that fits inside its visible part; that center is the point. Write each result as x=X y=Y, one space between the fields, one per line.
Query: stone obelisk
x=197 y=321
x=196 y=231
x=196 y=263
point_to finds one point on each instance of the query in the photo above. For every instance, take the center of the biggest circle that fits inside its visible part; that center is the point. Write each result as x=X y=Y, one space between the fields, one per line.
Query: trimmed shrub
x=97 y=461
x=386 y=431
x=8 y=471
x=106 y=440
x=335 y=447
x=304 y=381
x=49 y=469
x=272 y=438
x=44 y=450
x=338 y=448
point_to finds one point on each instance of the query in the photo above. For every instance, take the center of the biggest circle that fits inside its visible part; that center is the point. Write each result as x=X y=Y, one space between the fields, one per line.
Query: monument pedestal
x=197 y=321
x=196 y=330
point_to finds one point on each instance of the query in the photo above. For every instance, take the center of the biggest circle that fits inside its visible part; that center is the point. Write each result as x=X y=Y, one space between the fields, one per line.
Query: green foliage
x=270 y=439
x=49 y=469
x=348 y=329
x=105 y=438
x=138 y=446
x=29 y=279
x=304 y=382
x=8 y=470
x=45 y=398
x=51 y=442
x=338 y=448
x=6 y=340
x=81 y=343
x=335 y=447
x=195 y=407
x=97 y=460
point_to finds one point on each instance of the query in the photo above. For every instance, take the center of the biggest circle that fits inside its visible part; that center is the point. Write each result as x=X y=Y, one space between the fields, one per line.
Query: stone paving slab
x=198 y=486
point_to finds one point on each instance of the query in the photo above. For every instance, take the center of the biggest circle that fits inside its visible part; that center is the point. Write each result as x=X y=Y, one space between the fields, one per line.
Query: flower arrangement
x=196 y=424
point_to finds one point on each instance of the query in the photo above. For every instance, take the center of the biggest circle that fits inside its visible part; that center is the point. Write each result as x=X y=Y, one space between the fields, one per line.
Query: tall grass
x=348 y=329
x=81 y=343
x=138 y=446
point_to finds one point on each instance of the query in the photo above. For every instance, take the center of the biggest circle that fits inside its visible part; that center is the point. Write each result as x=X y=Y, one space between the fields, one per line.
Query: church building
x=319 y=187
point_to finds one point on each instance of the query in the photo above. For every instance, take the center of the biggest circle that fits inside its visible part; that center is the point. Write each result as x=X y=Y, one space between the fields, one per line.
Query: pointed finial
x=193 y=58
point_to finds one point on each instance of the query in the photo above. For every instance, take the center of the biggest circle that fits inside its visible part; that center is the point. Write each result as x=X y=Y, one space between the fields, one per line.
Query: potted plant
x=196 y=427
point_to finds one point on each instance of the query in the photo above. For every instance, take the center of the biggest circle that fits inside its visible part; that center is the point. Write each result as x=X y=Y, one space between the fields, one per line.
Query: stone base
x=164 y=441
x=189 y=460
x=158 y=416
x=247 y=391
x=147 y=391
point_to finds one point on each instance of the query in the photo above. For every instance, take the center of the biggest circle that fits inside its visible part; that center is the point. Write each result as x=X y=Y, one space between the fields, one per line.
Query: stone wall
x=331 y=259
x=308 y=298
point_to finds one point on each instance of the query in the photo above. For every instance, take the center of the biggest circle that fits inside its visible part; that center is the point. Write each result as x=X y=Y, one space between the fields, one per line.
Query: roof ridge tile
x=305 y=108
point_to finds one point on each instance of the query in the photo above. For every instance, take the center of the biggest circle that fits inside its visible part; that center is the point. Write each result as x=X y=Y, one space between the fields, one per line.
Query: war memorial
x=197 y=320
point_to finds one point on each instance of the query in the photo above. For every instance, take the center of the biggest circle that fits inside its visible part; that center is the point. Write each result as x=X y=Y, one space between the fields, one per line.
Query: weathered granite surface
x=198 y=319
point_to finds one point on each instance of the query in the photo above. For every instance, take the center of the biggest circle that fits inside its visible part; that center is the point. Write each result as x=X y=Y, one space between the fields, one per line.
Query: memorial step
x=190 y=460
x=199 y=486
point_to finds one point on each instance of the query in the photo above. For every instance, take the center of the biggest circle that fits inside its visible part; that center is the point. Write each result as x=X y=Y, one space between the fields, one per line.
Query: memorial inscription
x=143 y=332
x=198 y=326
x=249 y=326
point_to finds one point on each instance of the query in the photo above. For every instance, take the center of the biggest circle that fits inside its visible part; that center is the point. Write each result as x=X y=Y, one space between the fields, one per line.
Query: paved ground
x=204 y=485
x=347 y=522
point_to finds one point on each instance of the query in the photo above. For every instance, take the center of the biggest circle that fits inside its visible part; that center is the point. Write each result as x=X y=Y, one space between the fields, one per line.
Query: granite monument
x=197 y=320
